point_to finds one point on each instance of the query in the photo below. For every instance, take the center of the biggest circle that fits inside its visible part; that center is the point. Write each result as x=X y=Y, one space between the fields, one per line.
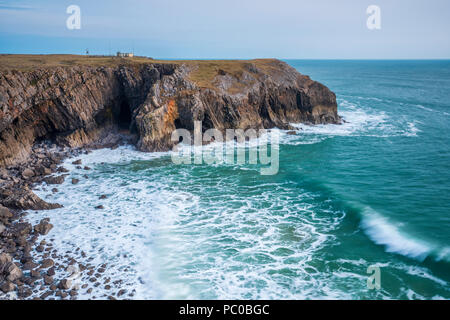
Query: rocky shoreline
x=50 y=111
x=30 y=267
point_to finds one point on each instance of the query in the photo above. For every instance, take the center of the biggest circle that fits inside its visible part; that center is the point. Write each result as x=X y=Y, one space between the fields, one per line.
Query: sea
x=356 y=211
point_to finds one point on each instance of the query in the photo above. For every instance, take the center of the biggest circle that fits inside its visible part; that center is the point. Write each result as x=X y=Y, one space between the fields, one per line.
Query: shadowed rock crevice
x=124 y=118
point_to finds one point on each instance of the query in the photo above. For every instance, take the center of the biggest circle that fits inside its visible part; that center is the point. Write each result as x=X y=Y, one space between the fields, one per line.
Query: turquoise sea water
x=373 y=191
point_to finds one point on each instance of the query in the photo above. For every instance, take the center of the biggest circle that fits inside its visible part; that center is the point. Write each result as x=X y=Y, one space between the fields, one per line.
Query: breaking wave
x=387 y=233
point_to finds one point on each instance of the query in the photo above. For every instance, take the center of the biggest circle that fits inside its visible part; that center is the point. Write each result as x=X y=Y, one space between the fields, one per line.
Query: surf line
x=191 y=310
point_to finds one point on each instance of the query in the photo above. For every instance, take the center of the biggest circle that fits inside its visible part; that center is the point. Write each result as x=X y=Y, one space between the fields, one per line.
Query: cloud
x=236 y=28
x=15 y=7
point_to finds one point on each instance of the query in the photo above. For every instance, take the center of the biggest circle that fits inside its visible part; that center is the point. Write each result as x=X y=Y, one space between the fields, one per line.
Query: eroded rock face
x=74 y=106
x=254 y=100
x=84 y=106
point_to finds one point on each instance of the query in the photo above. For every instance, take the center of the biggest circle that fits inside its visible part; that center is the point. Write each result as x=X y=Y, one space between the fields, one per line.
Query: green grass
x=22 y=62
x=203 y=74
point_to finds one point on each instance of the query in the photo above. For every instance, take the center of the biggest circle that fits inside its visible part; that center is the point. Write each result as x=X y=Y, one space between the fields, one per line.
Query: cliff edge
x=80 y=101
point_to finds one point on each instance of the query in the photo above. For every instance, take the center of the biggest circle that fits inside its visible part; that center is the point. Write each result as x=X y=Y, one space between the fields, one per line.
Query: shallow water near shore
x=373 y=191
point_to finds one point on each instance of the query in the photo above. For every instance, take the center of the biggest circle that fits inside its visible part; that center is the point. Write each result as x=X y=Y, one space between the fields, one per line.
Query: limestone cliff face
x=82 y=105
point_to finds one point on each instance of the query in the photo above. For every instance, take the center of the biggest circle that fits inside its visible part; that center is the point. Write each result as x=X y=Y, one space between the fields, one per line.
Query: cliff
x=80 y=101
x=49 y=103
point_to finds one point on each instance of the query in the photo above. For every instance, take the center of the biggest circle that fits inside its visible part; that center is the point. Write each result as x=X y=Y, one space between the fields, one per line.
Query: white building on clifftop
x=125 y=54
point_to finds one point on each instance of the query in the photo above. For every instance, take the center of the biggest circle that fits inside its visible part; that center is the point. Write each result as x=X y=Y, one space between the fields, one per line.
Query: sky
x=209 y=29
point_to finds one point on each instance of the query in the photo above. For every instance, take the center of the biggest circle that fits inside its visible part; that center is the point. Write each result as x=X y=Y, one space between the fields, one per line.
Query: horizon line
x=254 y=58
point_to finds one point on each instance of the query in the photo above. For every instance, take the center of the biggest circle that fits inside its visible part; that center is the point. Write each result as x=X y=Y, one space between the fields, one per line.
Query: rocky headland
x=54 y=107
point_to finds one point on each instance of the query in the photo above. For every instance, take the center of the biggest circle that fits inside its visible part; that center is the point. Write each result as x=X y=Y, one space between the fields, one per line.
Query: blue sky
x=313 y=29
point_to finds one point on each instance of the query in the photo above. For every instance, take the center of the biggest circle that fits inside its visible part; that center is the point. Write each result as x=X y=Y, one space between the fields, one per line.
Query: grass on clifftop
x=28 y=62
x=203 y=74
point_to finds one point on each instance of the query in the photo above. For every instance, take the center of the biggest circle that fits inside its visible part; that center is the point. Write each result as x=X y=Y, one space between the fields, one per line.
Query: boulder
x=4 y=259
x=43 y=171
x=73 y=293
x=24 y=292
x=4 y=174
x=7 y=286
x=75 y=181
x=21 y=229
x=43 y=227
x=62 y=170
x=65 y=284
x=30 y=265
x=21 y=241
x=25 y=199
x=47 y=263
x=55 y=180
x=48 y=280
x=11 y=271
x=27 y=173
x=51 y=272
x=5 y=213
x=35 y=274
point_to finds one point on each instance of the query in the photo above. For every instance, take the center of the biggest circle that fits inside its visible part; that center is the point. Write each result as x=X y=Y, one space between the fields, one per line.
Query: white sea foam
x=357 y=122
x=424 y=108
x=115 y=235
x=359 y=262
x=412 y=295
x=386 y=233
x=123 y=154
x=392 y=102
x=423 y=273
x=361 y=120
x=165 y=232
x=189 y=232
x=169 y=232
x=412 y=129
x=231 y=248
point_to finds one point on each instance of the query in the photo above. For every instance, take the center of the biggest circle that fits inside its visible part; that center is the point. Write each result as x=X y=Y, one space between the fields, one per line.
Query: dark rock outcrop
x=43 y=227
x=25 y=199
